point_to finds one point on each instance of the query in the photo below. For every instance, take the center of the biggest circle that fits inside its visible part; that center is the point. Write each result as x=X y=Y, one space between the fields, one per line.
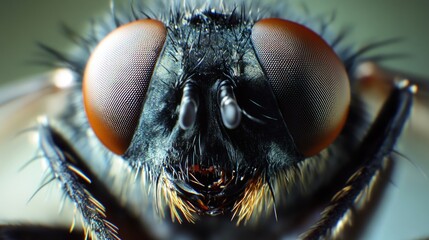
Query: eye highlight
x=307 y=78
x=116 y=79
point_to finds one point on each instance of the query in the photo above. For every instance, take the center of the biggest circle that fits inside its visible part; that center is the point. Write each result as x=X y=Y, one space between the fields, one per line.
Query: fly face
x=217 y=106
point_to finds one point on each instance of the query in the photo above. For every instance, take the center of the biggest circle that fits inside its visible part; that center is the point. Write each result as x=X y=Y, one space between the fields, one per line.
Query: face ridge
x=206 y=166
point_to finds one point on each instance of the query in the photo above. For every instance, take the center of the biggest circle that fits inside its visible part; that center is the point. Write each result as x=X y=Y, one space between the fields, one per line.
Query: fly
x=217 y=115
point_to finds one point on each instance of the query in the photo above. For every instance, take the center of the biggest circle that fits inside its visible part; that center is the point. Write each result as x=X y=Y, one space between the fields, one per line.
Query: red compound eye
x=116 y=80
x=308 y=80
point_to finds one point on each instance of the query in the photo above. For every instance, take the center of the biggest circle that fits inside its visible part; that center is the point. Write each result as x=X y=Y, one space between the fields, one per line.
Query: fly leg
x=102 y=215
x=74 y=183
x=377 y=146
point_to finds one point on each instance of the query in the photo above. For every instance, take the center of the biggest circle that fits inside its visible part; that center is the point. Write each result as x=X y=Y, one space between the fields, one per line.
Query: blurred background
x=404 y=214
x=23 y=23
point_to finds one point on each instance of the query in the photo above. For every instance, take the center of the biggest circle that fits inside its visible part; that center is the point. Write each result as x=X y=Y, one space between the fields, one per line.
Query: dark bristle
x=374 y=45
x=77 y=38
x=340 y=37
x=61 y=59
x=134 y=15
x=113 y=13
x=326 y=22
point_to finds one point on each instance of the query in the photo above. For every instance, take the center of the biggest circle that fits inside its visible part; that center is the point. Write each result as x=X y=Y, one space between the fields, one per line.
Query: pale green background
x=22 y=23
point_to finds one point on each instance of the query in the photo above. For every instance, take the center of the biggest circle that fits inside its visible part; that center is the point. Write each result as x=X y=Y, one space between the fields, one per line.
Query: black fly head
x=220 y=109
x=205 y=155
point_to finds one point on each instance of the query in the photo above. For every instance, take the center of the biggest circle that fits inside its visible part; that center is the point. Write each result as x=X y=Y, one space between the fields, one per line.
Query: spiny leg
x=377 y=145
x=72 y=183
x=83 y=189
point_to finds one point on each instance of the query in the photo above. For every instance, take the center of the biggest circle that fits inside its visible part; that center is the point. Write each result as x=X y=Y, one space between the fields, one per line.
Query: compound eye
x=116 y=80
x=308 y=80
